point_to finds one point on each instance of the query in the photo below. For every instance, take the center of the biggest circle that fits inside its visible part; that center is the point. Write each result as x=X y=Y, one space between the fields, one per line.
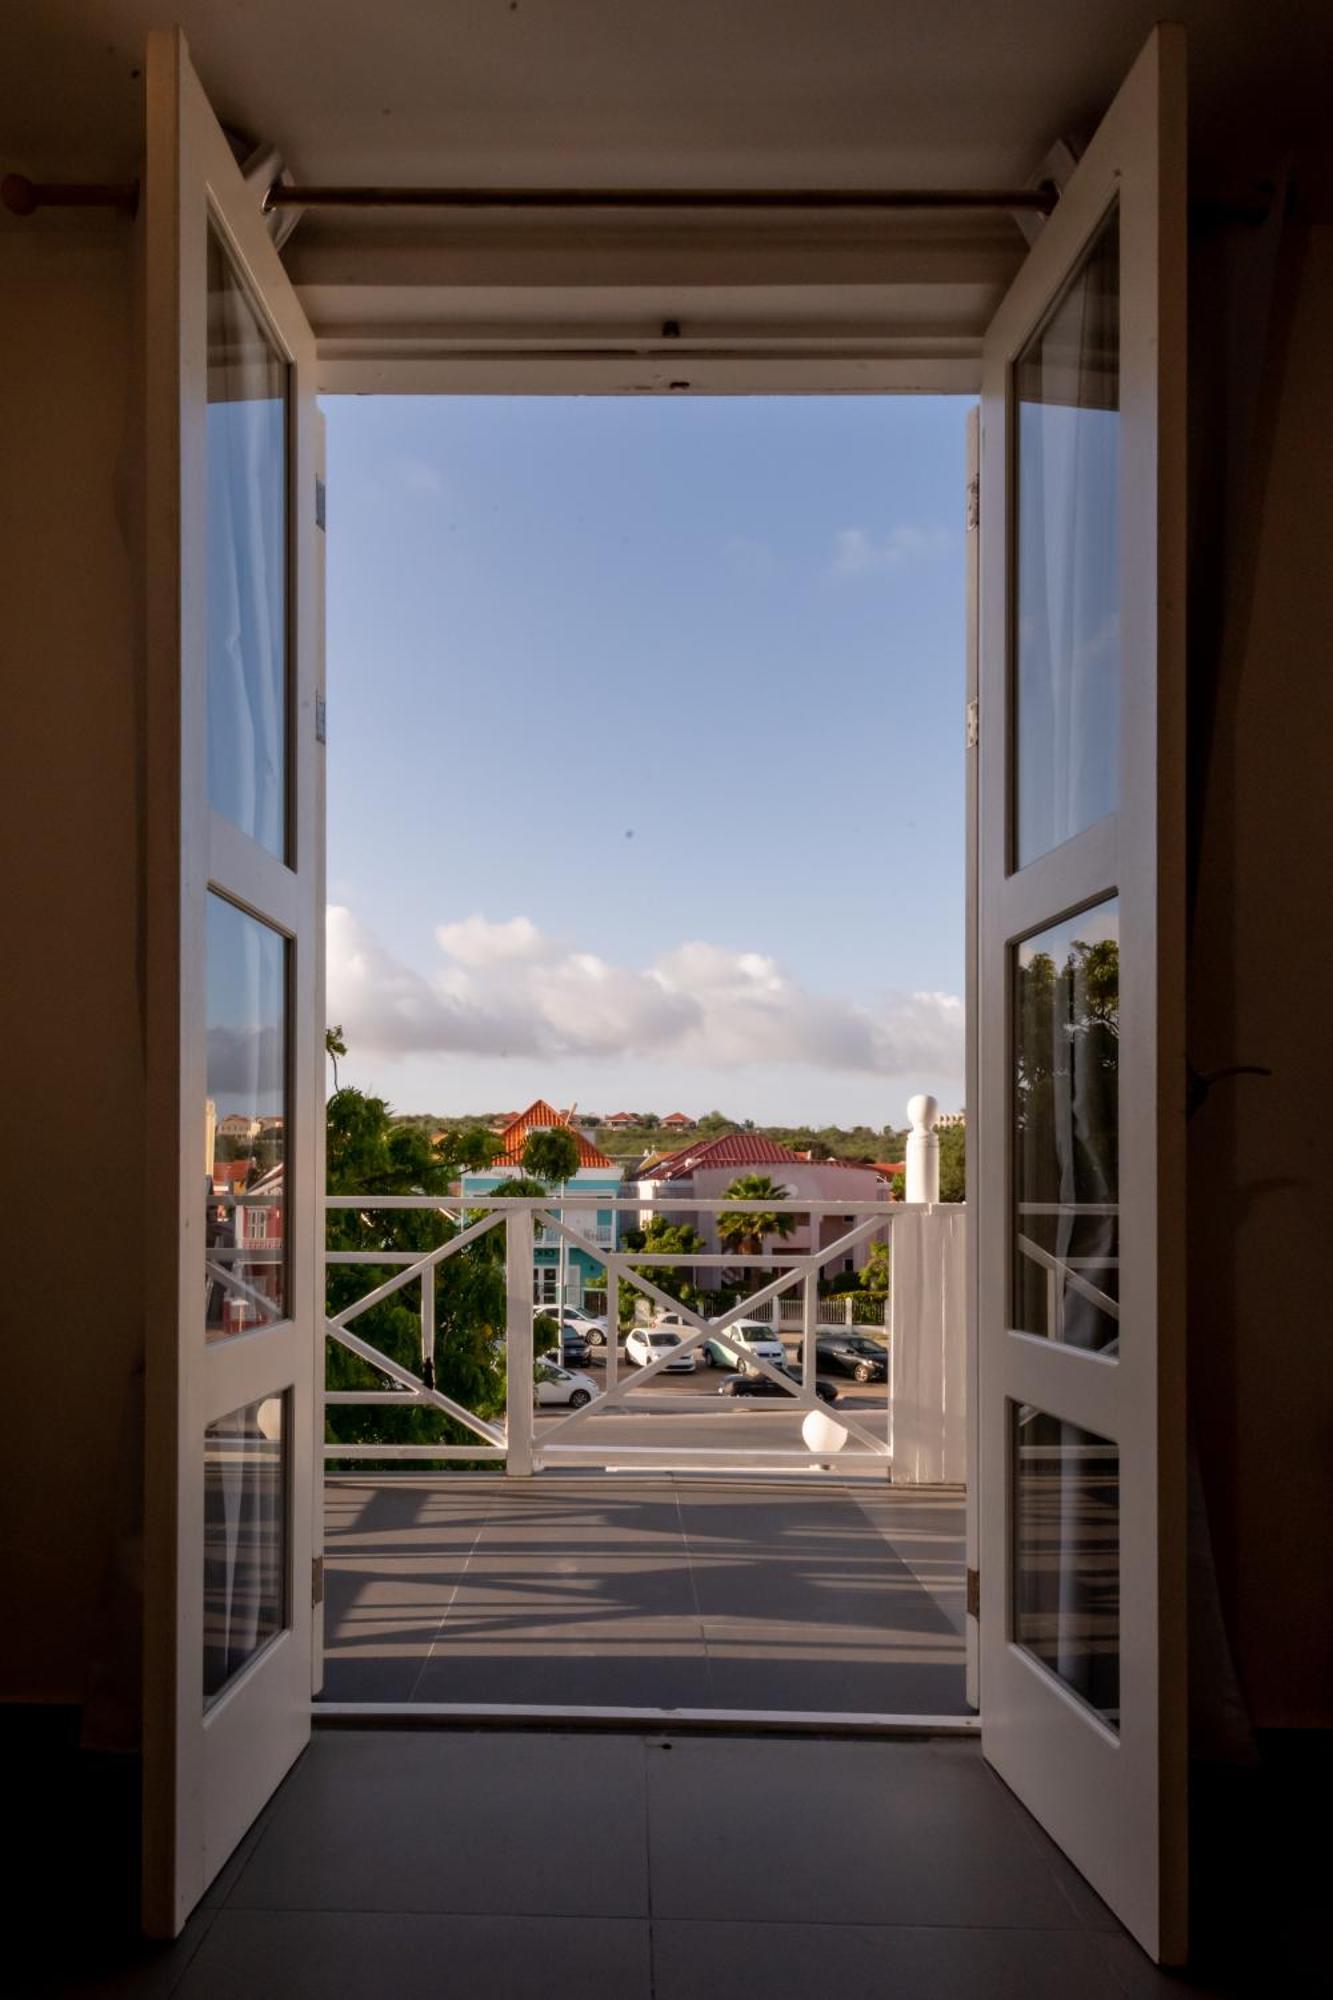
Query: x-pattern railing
x=516 y=1441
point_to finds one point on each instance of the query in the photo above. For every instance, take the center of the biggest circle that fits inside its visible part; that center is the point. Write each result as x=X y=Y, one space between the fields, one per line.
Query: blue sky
x=645 y=775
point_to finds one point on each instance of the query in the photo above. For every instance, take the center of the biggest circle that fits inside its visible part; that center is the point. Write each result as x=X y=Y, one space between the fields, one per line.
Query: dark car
x=764 y=1385
x=574 y=1349
x=853 y=1354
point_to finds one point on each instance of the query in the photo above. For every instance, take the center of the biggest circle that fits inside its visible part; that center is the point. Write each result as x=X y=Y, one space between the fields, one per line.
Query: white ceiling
x=661 y=93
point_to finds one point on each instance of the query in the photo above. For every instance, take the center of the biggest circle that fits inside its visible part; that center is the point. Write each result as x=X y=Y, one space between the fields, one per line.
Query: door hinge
x=974 y=1593
x=321 y=503
x=973 y=503
x=316 y=1579
x=973 y=725
x=321 y=717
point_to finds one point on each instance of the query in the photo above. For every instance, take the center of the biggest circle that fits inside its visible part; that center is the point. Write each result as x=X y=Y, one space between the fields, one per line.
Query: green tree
x=334 y=1046
x=551 y=1155
x=743 y=1231
x=953 y=1163
x=676 y=1237
x=874 y=1274
x=369 y=1154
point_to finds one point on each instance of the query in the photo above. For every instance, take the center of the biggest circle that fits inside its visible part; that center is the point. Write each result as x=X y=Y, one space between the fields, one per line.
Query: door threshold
x=676 y=1721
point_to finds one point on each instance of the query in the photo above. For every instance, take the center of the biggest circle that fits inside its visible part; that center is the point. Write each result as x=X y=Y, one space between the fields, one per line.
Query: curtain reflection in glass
x=1067 y=1554
x=245 y=1247
x=1066 y=1278
x=245 y=1530
x=246 y=561
x=1067 y=641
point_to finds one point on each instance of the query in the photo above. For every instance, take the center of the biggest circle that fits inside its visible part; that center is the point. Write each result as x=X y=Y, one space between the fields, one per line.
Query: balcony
x=600 y=1235
x=758 y=1558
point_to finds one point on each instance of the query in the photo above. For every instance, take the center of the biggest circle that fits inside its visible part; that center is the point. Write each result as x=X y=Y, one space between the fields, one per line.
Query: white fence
x=926 y=1343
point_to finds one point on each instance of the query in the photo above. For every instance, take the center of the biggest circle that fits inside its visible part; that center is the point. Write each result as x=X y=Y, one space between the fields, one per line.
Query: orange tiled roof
x=542 y=1116
x=733 y=1149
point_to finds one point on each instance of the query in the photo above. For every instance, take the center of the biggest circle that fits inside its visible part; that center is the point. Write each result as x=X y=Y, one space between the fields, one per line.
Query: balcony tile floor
x=646 y=1592
x=650 y=1866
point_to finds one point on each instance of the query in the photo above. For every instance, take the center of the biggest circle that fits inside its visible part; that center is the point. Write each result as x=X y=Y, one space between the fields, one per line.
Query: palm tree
x=743 y=1230
x=334 y=1046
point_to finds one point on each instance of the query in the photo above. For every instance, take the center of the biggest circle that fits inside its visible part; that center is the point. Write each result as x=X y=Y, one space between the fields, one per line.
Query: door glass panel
x=245 y=1236
x=1067 y=632
x=1066 y=1235
x=246 y=553
x=1067 y=1554
x=245 y=1538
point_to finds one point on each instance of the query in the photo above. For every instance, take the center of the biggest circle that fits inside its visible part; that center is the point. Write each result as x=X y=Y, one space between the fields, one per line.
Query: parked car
x=853 y=1354
x=577 y=1352
x=561 y=1387
x=764 y=1385
x=742 y=1339
x=576 y=1320
x=649 y=1343
x=574 y=1351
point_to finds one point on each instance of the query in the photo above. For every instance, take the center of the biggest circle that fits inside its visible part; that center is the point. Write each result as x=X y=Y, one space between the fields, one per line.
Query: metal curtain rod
x=22 y=196
x=1042 y=199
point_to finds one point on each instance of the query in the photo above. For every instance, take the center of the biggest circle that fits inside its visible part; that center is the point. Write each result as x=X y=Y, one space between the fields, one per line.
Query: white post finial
x=923 y=1150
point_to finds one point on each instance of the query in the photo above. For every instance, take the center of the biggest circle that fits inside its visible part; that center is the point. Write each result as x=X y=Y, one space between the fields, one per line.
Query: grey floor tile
x=601 y=1586
x=750 y=1673
x=304 y=1955
x=806 y=1961
x=650 y=1672
x=879 y=1835
x=138 y=1971
x=431 y=1583
x=457 y=1823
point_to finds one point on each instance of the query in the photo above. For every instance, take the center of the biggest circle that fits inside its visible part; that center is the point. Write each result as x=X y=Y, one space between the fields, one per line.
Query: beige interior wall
x=70 y=1030
x=1261 y=1168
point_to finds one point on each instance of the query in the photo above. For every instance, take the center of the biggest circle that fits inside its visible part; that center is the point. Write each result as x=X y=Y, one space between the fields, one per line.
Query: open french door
x=234 y=1010
x=1078 y=1187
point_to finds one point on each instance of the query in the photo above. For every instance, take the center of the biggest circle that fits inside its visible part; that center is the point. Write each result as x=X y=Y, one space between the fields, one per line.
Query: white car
x=555 y=1387
x=576 y=1320
x=649 y=1343
x=742 y=1340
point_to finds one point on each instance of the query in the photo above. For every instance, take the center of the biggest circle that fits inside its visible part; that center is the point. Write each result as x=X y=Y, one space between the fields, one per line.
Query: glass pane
x=245 y=1246
x=245 y=1538
x=1067 y=1554
x=1067 y=633
x=247 y=561
x=1066 y=1257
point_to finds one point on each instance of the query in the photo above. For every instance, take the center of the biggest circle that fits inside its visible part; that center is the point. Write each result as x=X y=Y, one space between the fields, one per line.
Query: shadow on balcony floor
x=644 y=1592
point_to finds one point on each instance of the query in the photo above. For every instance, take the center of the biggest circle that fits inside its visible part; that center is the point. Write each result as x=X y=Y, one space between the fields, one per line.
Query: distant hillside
x=840 y=1142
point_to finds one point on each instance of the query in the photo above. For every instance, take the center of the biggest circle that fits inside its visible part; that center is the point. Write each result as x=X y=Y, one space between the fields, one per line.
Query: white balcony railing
x=601 y=1235
x=788 y=1429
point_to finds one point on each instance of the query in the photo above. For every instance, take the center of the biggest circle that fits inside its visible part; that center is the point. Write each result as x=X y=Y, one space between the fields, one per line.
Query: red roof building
x=539 y=1117
x=733 y=1149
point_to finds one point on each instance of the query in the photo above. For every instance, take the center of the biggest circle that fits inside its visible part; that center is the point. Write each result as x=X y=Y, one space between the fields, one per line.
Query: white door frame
x=1114 y=1799
x=209 y=1767
x=179 y=848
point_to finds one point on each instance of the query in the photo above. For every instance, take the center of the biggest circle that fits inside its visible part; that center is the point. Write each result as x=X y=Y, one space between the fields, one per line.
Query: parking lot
x=859 y=1399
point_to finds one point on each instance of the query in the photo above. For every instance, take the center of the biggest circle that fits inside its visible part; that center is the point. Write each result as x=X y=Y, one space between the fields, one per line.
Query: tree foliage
x=369 y=1154
x=660 y=1234
x=551 y=1155
x=743 y=1231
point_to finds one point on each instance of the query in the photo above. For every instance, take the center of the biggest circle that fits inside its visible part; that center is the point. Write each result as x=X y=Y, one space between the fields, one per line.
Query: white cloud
x=478 y=942
x=508 y=989
x=857 y=552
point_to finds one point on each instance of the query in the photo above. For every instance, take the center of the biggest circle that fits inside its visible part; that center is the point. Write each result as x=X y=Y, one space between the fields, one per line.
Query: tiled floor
x=645 y=1867
x=646 y=1593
